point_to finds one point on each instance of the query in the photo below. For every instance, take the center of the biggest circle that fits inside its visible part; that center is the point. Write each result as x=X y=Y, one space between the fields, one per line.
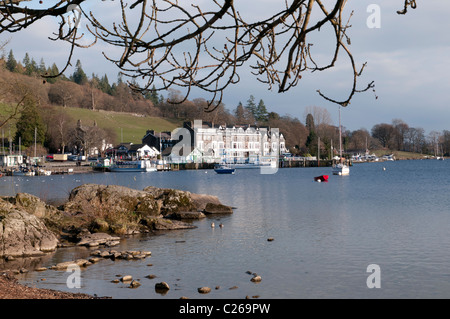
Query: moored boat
x=341 y=169
x=223 y=169
x=321 y=178
x=132 y=166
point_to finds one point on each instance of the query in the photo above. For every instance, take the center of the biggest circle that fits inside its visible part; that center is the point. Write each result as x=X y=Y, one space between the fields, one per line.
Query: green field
x=128 y=127
x=400 y=155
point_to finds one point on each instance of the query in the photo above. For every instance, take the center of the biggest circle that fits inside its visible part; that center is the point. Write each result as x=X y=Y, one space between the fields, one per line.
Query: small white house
x=143 y=151
x=11 y=160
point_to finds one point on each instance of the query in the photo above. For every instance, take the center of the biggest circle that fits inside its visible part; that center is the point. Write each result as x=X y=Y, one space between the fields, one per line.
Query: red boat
x=321 y=178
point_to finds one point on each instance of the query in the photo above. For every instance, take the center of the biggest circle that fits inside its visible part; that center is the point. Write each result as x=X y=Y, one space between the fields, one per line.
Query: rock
x=187 y=215
x=212 y=208
x=126 y=278
x=270 y=239
x=201 y=200
x=204 y=290
x=40 y=269
x=67 y=264
x=256 y=278
x=162 y=286
x=150 y=276
x=23 y=234
x=31 y=204
x=94 y=260
x=172 y=200
x=121 y=210
x=96 y=239
x=134 y=284
x=167 y=224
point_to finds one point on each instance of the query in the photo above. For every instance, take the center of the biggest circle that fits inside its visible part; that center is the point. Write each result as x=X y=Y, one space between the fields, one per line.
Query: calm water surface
x=325 y=234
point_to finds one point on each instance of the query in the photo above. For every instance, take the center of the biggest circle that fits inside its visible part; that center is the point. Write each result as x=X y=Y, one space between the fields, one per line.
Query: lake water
x=325 y=234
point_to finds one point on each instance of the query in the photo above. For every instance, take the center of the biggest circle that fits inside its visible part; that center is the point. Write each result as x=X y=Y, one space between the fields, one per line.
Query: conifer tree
x=251 y=106
x=11 y=63
x=261 y=112
x=30 y=120
x=79 y=76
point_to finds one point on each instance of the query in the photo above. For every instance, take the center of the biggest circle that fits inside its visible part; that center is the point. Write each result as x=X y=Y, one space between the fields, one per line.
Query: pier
x=58 y=168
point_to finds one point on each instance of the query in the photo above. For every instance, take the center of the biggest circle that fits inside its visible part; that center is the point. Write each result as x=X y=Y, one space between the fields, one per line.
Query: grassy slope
x=400 y=154
x=132 y=127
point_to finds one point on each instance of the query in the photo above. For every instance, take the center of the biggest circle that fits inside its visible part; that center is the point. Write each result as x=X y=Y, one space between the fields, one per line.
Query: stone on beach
x=204 y=290
x=162 y=286
x=97 y=239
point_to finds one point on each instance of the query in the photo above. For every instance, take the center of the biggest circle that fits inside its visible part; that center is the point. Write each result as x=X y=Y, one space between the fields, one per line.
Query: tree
x=60 y=129
x=11 y=62
x=152 y=95
x=251 y=106
x=203 y=45
x=360 y=140
x=26 y=63
x=239 y=113
x=30 y=125
x=52 y=71
x=400 y=129
x=79 y=77
x=384 y=133
x=261 y=112
x=310 y=125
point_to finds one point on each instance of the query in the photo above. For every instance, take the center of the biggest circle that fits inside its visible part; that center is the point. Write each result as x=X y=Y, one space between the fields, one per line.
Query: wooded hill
x=123 y=115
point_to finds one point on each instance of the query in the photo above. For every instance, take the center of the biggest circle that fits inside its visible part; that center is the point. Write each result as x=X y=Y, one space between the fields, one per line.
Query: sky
x=408 y=57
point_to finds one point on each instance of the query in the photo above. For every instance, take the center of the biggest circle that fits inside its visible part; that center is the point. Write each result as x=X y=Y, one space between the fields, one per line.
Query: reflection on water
x=325 y=234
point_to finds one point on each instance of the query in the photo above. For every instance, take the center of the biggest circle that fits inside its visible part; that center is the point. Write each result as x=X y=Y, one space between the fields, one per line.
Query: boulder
x=122 y=210
x=110 y=200
x=212 y=208
x=172 y=200
x=23 y=234
x=200 y=200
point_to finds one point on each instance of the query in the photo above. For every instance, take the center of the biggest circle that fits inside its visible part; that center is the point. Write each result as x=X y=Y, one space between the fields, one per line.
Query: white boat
x=340 y=168
x=133 y=166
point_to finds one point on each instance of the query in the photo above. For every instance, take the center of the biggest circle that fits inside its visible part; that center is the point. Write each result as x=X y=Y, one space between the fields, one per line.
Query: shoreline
x=75 y=224
x=10 y=288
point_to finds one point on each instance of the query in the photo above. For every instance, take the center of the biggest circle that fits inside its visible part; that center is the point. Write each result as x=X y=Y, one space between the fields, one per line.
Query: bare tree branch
x=172 y=43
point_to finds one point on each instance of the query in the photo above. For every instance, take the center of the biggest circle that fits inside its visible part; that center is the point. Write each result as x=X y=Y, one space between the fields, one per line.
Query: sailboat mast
x=340 y=136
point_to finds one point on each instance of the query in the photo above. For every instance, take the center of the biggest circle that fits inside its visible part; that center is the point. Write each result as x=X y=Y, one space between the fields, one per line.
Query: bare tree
x=60 y=128
x=182 y=44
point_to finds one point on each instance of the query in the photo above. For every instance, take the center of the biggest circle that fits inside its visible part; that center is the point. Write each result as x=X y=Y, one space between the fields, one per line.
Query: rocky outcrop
x=172 y=200
x=30 y=227
x=23 y=234
x=122 y=210
x=104 y=200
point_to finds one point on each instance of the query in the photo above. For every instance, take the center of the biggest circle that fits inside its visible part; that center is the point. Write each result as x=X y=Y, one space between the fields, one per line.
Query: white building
x=236 y=144
x=11 y=160
x=142 y=151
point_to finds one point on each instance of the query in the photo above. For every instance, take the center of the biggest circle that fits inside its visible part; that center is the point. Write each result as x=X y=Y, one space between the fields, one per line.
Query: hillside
x=129 y=127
